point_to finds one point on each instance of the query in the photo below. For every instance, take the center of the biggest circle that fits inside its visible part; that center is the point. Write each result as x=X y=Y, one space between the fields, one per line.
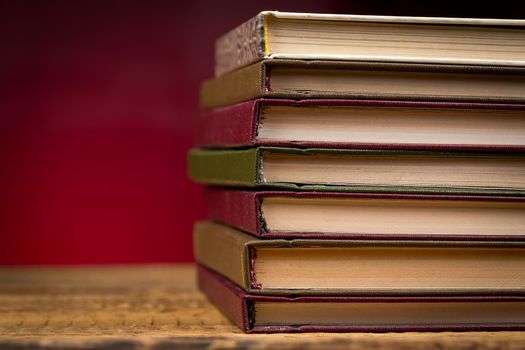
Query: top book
x=470 y=41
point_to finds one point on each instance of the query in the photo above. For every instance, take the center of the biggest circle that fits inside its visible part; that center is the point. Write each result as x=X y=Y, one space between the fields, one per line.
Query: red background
x=98 y=107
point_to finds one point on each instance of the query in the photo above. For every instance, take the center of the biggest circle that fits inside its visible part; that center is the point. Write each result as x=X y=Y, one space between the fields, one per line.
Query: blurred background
x=98 y=107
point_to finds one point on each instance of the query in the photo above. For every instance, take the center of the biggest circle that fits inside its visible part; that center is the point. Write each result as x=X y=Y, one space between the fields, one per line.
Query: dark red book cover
x=242 y=209
x=237 y=125
x=239 y=307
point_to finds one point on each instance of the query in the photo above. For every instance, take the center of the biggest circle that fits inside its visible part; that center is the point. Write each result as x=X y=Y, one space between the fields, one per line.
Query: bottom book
x=279 y=314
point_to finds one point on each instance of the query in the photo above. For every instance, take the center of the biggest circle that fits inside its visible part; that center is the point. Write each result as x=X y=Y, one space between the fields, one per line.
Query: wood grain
x=158 y=307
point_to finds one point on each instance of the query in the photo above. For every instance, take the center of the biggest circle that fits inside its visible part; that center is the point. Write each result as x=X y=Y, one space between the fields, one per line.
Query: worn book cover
x=360 y=266
x=301 y=79
x=386 y=216
x=273 y=34
x=320 y=313
x=366 y=124
x=361 y=170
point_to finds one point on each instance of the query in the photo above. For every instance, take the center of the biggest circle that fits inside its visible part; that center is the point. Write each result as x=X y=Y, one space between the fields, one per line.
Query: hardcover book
x=361 y=267
x=354 y=170
x=322 y=313
x=333 y=215
x=373 y=124
x=300 y=79
x=273 y=34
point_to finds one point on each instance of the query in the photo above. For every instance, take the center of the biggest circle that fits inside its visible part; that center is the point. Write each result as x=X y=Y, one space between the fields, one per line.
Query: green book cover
x=246 y=168
x=225 y=167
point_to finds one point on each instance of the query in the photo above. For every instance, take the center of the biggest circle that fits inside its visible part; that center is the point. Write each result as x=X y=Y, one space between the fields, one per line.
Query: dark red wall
x=98 y=106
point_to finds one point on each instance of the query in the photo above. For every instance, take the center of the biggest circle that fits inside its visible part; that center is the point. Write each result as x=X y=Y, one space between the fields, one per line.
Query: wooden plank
x=157 y=307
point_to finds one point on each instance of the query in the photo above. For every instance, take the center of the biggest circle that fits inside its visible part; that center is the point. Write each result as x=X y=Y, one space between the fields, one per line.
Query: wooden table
x=158 y=307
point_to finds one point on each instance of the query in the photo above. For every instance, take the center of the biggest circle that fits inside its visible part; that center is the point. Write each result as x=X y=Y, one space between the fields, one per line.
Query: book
x=354 y=170
x=360 y=267
x=273 y=34
x=333 y=215
x=300 y=79
x=372 y=124
x=322 y=313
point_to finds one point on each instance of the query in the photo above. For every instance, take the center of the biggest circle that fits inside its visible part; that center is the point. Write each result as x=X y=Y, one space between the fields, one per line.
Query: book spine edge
x=240 y=209
x=241 y=46
x=222 y=249
x=230 y=168
x=237 y=86
x=234 y=125
x=229 y=301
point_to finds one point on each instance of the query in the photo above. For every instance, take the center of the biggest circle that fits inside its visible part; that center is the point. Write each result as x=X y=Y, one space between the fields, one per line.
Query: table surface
x=158 y=307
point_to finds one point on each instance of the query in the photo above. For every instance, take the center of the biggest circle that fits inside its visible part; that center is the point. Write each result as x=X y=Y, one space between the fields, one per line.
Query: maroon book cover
x=243 y=209
x=241 y=309
x=238 y=125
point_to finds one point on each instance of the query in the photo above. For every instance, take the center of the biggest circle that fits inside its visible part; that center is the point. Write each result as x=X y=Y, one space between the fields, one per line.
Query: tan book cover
x=307 y=79
x=360 y=267
x=276 y=35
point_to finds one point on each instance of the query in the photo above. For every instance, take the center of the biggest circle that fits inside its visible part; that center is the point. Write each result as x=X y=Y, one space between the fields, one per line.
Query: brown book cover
x=361 y=267
x=321 y=313
x=301 y=79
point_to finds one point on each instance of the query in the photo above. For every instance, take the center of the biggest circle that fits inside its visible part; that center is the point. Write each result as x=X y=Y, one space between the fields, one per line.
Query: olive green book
x=357 y=170
x=308 y=79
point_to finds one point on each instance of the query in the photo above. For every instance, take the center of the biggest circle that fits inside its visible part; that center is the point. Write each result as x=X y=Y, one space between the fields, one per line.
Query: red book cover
x=243 y=310
x=238 y=125
x=243 y=209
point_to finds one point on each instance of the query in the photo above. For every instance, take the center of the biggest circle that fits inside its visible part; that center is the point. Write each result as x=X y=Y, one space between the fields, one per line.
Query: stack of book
x=365 y=174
